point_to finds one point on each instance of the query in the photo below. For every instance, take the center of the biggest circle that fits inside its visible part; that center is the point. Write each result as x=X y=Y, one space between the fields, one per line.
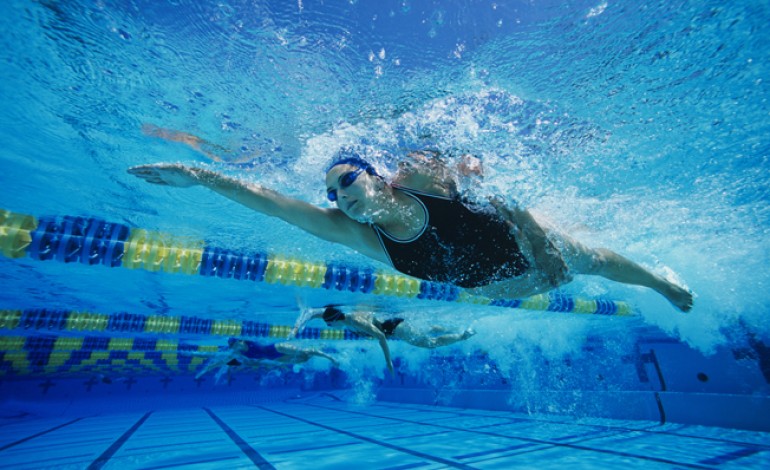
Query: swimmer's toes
x=689 y=305
x=685 y=301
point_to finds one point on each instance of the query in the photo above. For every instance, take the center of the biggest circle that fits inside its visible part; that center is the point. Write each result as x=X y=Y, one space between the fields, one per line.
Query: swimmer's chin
x=368 y=217
x=364 y=219
x=361 y=218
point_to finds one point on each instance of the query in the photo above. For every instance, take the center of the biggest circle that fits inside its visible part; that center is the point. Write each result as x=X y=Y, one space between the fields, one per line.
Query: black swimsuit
x=333 y=314
x=462 y=244
x=387 y=326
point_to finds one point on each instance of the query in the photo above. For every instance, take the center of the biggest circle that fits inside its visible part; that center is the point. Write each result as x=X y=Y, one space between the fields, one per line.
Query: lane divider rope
x=92 y=241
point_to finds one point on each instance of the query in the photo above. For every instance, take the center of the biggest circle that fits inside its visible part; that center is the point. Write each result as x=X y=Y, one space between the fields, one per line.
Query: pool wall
x=660 y=380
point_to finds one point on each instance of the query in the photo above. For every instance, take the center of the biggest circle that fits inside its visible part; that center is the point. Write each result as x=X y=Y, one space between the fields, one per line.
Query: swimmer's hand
x=470 y=166
x=168 y=174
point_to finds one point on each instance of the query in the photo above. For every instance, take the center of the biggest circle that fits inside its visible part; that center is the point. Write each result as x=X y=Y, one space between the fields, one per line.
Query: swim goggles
x=345 y=180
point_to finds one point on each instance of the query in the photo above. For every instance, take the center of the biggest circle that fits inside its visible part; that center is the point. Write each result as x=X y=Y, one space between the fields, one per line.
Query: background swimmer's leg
x=206 y=368
x=211 y=150
x=222 y=370
x=410 y=335
x=296 y=355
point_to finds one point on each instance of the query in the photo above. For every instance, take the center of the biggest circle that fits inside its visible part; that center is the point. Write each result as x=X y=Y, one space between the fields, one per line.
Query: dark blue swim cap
x=351 y=156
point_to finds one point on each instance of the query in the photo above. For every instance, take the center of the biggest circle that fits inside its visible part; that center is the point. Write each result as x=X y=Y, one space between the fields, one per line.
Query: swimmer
x=366 y=323
x=420 y=224
x=212 y=151
x=243 y=352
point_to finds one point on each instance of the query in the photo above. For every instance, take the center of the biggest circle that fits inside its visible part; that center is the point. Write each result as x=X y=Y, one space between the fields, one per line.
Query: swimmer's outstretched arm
x=327 y=224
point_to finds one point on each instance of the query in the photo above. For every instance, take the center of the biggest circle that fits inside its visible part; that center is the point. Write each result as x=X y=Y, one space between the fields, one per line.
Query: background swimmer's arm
x=327 y=224
x=361 y=324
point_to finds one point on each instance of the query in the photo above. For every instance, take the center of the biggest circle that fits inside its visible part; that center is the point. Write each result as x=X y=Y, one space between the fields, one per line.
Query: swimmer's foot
x=468 y=333
x=681 y=298
x=171 y=135
x=168 y=134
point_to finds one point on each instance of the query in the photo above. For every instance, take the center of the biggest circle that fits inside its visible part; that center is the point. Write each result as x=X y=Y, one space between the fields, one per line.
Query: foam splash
x=538 y=155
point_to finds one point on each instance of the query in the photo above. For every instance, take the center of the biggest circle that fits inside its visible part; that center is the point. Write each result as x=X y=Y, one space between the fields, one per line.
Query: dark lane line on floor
x=107 y=455
x=250 y=452
x=21 y=441
x=521 y=438
x=415 y=453
x=645 y=430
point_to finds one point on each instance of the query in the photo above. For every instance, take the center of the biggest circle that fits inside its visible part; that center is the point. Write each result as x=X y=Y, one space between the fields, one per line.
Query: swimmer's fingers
x=149 y=176
x=156 y=168
x=169 y=174
x=141 y=170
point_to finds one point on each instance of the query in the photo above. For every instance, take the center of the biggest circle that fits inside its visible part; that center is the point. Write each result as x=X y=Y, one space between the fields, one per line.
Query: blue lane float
x=55 y=321
x=90 y=241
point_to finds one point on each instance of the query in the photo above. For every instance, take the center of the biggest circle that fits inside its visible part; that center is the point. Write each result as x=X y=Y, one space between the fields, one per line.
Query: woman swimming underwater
x=240 y=352
x=419 y=224
x=381 y=329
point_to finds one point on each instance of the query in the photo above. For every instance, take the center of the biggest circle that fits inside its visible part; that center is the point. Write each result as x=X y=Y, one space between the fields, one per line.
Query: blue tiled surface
x=321 y=432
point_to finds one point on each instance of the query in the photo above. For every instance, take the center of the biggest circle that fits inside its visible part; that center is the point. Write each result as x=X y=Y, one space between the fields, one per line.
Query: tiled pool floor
x=323 y=432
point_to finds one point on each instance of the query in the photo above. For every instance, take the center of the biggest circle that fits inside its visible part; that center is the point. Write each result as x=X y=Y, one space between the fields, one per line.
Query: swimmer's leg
x=297 y=355
x=606 y=263
x=610 y=265
x=210 y=150
x=222 y=370
x=212 y=363
x=415 y=338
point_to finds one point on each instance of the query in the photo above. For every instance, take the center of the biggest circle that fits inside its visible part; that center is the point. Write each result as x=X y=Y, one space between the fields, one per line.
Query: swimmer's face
x=355 y=191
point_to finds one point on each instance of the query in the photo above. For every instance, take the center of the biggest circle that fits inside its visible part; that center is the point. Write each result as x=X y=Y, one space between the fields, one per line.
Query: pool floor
x=324 y=432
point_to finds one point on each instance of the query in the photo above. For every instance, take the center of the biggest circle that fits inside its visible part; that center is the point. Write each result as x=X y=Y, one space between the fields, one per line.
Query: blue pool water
x=637 y=126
